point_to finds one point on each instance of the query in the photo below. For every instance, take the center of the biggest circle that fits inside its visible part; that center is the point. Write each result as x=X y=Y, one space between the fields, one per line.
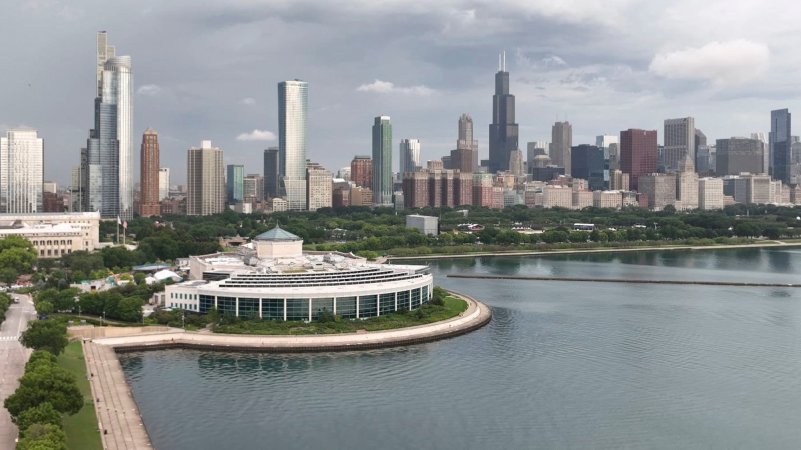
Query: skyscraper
x=637 y=154
x=779 y=145
x=587 y=163
x=409 y=155
x=737 y=155
x=164 y=183
x=149 y=174
x=679 y=141
x=205 y=180
x=516 y=163
x=466 y=146
x=272 y=173
x=234 y=183
x=361 y=171
x=503 y=131
x=292 y=111
x=319 y=187
x=108 y=156
x=561 y=143
x=382 y=161
x=21 y=172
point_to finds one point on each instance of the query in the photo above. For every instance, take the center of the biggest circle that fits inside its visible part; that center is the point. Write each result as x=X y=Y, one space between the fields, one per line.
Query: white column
x=335 y=306
x=396 y=301
x=284 y=310
x=260 y=315
x=357 y=306
x=310 y=302
x=378 y=305
x=237 y=307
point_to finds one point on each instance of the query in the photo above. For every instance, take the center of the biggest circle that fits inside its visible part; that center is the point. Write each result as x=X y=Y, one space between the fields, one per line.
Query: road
x=13 y=357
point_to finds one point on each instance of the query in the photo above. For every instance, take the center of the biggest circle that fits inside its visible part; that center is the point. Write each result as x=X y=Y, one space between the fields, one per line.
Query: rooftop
x=277 y=234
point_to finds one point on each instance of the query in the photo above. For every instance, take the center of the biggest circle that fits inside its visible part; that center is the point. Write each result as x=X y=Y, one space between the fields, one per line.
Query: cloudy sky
x=208 y=70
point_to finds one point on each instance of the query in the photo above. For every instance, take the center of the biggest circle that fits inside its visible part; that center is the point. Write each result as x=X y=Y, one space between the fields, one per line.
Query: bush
x=49 y=335
x=42 y=413
x=43 y=437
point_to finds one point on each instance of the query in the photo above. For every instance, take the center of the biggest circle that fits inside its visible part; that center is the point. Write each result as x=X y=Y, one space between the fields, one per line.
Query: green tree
x=45 y=381
x=747 y=229
x=41 y=413
x=49 y=335
x=43 y=437
x=44 y=307
x=129 y=309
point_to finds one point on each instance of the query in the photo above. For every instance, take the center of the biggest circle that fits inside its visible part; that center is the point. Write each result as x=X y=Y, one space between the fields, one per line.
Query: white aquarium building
x=277 y=280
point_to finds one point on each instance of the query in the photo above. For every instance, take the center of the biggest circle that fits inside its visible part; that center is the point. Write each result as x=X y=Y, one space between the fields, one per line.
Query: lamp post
x=103 y=317
x=78 y=302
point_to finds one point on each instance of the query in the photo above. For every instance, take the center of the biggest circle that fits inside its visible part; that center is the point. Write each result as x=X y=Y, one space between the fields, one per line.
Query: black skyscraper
x=503 y=129
x=271 y=175
x=780 y=145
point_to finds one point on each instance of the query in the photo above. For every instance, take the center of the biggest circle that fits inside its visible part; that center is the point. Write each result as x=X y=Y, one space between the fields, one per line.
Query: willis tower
x=503 y=129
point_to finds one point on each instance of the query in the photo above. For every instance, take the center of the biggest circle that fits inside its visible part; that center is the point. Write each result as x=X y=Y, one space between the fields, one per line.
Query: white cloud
x=248 y=101
x=388 y=87
x=257 y=135
x=722 y=63
x=149 y=90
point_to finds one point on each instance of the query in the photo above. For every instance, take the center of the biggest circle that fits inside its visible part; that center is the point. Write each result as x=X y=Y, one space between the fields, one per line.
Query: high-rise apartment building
x=710 y=193
x=292 y=112
x=149 y=174
x=780 y=140
x=361 y=171
x=108 y=157
x=21 y=172
x=561 y=144
x=272 y=173
x=534 y=149
x=252 y=188
x=205 y=180
x=234 y=183
x=659 y=188
x=516 y=163
x=409 y=155
x=503 y=131
x=382 y=161
x=738 y=154
x=466 y=153
x=687 y=184
x=164 y=183
x=637 y=154
x=679 y=142
x=319 y=185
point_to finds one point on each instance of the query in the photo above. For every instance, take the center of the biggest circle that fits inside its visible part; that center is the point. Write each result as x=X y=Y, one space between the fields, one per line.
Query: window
x=346 y=307
x=297 y=309
x=426 y=298
x=415 y=298
x=272 y=308
x=403 y=301
x=226 y=305
x=368 y=305
x=249 y=307
x=322 y=304
x=386 y=303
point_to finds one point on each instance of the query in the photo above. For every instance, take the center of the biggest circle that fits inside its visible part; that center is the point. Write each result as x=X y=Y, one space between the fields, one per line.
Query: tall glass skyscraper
x=235 y=183
x=382 y=161
x=292 y=109
x=780 y=143
x=503 y=131
x=409 y=155
x=271 y=173
x=21 y=172
x=108 y=157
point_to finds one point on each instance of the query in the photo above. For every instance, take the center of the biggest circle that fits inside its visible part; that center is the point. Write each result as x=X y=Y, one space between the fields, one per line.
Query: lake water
x=561 y=365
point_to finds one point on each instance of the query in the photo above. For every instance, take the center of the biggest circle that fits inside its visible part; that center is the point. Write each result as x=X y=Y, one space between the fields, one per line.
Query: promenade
x=118 y=416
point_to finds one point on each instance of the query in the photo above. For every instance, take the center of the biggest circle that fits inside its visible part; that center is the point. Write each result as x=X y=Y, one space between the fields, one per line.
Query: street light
x=78 y=302
x=103 y=318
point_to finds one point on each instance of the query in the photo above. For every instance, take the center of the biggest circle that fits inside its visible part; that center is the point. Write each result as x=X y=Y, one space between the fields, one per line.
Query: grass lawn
x=427 y=314
x=81 y=428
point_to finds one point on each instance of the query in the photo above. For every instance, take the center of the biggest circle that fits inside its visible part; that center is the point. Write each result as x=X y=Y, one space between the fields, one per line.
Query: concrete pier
x=120 y=424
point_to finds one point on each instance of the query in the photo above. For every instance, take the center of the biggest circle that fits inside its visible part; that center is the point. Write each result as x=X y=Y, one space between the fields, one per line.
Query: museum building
x=274 y=279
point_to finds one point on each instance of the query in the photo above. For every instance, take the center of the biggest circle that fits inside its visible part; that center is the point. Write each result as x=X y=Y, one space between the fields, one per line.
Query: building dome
x=277 y=234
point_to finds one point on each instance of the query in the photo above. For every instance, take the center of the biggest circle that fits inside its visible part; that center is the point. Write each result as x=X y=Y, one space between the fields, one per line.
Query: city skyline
x=199 y=92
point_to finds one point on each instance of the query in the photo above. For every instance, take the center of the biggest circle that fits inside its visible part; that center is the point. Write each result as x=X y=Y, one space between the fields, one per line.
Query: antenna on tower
x=504 y=60
x=500 y=65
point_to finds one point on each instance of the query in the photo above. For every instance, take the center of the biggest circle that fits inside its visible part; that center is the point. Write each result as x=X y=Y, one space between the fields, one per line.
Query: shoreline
x=772 y=243
x=118 y=414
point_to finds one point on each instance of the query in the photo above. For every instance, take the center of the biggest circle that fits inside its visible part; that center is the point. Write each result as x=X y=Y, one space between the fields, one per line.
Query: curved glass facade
x=349 y=307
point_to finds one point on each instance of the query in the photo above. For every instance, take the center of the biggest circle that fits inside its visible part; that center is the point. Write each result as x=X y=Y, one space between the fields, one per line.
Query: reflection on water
x=562 y=365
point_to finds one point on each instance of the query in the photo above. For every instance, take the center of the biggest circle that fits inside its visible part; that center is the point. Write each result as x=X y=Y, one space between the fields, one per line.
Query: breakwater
x=622 y=280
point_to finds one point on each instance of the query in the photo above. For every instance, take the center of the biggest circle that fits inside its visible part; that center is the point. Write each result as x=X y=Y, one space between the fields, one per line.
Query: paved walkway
x=476 y=315
x=118 y=417
x=13 y=357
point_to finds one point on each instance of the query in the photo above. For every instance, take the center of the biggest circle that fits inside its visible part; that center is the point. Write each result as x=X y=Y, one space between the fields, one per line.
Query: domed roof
x=277 y=234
